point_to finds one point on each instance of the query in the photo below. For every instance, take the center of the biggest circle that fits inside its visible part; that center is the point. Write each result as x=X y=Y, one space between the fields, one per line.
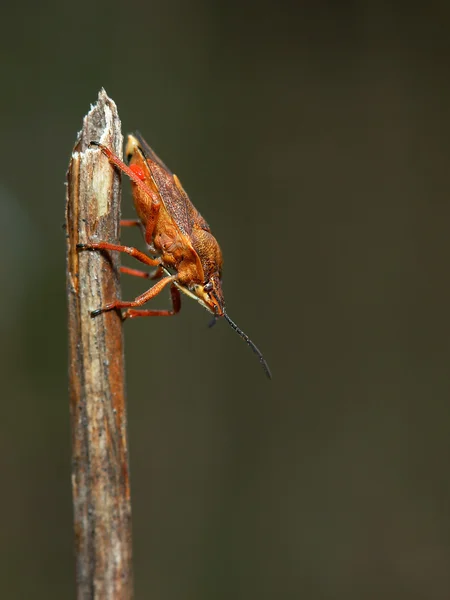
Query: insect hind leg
x=176 y=306
x=139 y=301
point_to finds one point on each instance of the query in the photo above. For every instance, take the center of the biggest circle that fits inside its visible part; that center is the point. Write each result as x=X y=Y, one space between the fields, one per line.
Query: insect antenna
x=243 y=335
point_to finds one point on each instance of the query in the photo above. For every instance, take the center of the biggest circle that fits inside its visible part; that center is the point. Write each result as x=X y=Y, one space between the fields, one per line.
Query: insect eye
x=208 y=286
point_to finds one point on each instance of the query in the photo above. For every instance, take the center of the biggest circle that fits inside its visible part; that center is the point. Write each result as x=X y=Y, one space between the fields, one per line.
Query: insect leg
x=139 y=301
x=133 y=223
x=176 y=304
x=130 y=223
x=144 y=274
x=115 y=160
x=135 y=177
x=126 y=249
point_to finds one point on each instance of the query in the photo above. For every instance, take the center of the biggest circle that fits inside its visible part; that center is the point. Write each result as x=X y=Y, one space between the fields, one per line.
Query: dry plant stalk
x=100 y=472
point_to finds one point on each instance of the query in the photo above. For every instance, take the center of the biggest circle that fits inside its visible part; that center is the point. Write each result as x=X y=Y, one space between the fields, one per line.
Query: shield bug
x=187 y=256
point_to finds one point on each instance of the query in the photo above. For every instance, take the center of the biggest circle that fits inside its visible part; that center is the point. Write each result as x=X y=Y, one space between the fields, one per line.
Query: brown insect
x=188 y=258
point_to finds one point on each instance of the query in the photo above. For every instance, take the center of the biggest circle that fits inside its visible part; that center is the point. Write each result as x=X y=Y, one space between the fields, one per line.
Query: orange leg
x=147 y=260
x=115 y=160
x=152 y=216
x=176 y=303
x=139 y=301
x=157 y=273
x=130 y=223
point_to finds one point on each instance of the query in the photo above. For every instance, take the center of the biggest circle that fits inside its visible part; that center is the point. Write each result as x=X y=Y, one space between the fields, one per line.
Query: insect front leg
x=139 y=301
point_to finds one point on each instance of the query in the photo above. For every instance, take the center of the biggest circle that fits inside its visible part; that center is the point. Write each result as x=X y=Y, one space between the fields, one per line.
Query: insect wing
x=150 y=154
x=173 y=196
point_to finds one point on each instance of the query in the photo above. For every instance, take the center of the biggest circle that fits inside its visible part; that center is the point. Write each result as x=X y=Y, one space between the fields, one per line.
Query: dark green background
x=314 y=138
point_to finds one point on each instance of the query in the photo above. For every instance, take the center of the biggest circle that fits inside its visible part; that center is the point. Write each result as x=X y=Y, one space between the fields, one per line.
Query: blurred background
x=314 y=138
